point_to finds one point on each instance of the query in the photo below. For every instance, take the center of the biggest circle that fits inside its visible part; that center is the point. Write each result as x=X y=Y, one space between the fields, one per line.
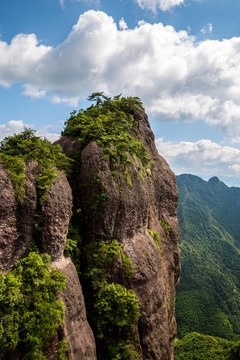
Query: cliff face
x=116 y=210
x=17 y=234
x=137 y=209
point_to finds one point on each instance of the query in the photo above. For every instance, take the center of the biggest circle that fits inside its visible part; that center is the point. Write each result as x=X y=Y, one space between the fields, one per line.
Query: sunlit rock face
x=141 y=214
x=127 y=215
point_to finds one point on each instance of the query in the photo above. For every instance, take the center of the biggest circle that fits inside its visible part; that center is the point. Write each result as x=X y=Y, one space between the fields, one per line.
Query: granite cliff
x=125 y=217
x=17 y=234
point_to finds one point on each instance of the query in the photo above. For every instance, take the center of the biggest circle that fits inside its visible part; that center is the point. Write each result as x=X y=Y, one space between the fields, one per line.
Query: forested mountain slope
x=196 y=346
x=208 y=296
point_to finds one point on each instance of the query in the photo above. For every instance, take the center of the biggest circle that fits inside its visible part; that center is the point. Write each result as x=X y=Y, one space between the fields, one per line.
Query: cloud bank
x=12 y=127
x=159 y=4
x=203 y=157
x=17 y=126
x=177 y=77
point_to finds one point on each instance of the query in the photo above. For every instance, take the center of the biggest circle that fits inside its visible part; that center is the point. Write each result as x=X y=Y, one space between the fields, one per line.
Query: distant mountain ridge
x=208 y=296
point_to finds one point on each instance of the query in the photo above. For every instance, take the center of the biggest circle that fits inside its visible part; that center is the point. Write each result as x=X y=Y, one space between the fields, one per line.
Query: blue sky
x=181 y=57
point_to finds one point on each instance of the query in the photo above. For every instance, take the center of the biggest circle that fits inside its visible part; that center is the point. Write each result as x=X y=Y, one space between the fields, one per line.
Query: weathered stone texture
x=16 y=220
x=76 y=330
x=56 y=214
x=126 y=215
x=17 y=235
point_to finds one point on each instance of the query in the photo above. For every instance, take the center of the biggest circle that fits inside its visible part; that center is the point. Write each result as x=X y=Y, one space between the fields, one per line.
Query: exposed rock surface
x=17 y=235
x=126 y=215
x=56 y=214
x=16 y=220
x=76 y=330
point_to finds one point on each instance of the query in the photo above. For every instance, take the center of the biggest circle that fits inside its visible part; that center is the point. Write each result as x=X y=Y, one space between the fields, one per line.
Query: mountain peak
x=214 y=180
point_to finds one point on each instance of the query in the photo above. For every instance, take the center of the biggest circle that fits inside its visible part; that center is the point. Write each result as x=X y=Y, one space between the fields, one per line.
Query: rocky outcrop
x=56 y=213
x=18 y=224
x=138 y=209
x=76 y=330
x=16 y=220
x=116 y=210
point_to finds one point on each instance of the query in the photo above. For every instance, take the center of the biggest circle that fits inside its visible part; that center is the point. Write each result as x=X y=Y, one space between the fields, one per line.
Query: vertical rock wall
x=17 y=234
x=128 y=212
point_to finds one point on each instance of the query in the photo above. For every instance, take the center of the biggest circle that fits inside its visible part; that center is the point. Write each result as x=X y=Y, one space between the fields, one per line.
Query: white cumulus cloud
x=159 y=4
x=20 y=59
x=51 y=131
x=207 y=29
x=122 y=24
x=12 y=127
x=203 y=157
x=177 y=77
x=32 y=91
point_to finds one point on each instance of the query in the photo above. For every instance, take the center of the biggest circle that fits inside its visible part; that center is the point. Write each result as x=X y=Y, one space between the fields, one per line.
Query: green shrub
x=122 y=351
x=62 y=350
x=29 y=309
x=117 y=309
x=102 y=255
x=165 y=226
x=17 y=149
x=102 y=194
x=156 y=237
x=73 y=244
x=15 y=167
x=113 y=309
x=111 y=124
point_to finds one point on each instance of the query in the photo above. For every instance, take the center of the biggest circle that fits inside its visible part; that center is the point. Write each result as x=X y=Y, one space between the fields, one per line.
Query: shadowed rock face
x=126 y=214
x=56 y=214
x=76 y=330
x=17 y=220
x=17 y=235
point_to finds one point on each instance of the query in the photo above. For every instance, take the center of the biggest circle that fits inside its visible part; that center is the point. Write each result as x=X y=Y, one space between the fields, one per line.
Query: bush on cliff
x=17 y=149
x=111 y=124
x=30 y=311
x=113 y=309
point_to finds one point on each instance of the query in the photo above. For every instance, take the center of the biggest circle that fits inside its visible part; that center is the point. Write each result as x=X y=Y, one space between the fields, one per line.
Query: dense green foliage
x=62 y=350
x=30 y=312
x=208 y=296
x=73 y=245
x=113 y=309
x=111 y=124
x=156 y=237
x=117 y=309
x=17 y=149
x=165 y=226
x=203 y=347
